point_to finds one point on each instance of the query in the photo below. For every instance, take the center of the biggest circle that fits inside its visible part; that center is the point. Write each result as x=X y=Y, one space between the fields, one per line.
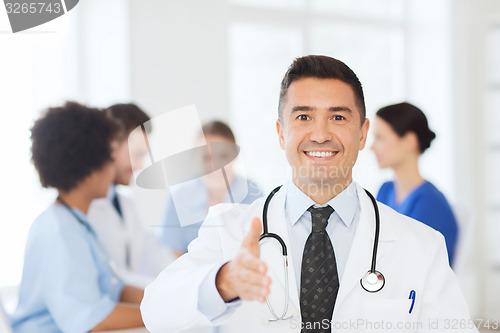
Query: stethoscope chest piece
x=373 y=281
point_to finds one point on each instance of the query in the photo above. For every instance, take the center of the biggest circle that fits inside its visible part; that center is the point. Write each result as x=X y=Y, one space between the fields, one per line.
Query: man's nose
x=321 y=132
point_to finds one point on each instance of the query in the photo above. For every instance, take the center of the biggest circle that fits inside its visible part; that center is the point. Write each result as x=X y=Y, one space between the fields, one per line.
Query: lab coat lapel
x=360 y=255
x=278 y=225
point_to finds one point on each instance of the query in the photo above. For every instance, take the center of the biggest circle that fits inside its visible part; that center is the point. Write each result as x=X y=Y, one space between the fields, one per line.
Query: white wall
x=179 y=56
x=103 y=52
x=474 y=181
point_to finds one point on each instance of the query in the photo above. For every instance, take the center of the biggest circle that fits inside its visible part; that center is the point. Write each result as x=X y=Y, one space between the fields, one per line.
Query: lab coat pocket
x=385 y=314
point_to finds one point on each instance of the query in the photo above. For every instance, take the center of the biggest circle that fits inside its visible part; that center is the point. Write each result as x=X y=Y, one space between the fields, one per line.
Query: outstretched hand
x=245 y=276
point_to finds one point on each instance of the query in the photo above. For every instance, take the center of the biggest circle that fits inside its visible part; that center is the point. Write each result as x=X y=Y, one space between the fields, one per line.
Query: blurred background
x=227 y=57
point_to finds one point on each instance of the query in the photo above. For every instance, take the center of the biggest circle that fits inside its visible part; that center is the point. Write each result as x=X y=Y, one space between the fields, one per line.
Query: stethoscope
x=113 y=268
x=373 y=281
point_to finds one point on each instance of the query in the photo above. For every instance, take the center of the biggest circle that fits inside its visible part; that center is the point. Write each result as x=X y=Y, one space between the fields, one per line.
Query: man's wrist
x=222 y=284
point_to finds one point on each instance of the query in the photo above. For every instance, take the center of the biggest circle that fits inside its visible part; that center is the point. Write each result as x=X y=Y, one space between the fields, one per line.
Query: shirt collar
x=111 y=192
x=345 y=203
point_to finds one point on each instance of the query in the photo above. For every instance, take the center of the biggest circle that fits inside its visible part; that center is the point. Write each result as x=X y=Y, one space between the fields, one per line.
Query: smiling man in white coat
x=327 y=224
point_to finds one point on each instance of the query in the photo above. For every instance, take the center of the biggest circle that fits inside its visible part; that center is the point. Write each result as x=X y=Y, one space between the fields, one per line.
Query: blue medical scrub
x=428 y=205
x=67 y=283
x=184 y=217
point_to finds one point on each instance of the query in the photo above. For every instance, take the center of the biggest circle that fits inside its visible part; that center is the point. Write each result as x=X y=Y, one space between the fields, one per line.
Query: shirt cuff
x=116 y=289
x=210 y=303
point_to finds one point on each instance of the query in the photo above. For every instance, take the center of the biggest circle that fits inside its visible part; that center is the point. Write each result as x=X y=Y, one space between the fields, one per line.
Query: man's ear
x=364 y=133
x=281 y=137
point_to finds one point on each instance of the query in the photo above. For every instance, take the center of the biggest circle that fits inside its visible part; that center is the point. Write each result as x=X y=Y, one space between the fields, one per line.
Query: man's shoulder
x=125 y=194
x=230 y=221
x=98 y=208
x=99 y=202
x=233 y=210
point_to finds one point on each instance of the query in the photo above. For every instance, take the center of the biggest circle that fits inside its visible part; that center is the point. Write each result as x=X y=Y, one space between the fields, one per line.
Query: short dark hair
x=70 y=142
x=404 y=118
x=322 y=67
x=129 y=116
x=217 y=127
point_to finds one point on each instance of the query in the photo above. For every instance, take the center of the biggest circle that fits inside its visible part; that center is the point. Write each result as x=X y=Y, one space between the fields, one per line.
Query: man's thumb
x=251 y=241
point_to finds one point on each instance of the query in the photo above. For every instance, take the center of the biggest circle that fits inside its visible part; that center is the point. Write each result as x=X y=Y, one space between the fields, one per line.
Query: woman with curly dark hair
x=68 y=282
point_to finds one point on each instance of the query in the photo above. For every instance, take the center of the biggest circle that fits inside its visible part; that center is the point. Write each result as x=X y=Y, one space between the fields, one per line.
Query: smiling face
x=321 y=133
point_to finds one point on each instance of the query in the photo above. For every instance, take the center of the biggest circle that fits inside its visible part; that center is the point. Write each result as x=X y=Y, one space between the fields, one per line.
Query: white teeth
x=319 y=153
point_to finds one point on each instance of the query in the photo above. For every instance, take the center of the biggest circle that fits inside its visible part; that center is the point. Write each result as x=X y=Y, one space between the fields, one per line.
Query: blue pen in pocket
x=412 y=296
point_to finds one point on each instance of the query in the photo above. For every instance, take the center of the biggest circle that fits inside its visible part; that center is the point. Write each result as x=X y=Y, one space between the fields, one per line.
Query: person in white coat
x=138 y=254
x=327 y=223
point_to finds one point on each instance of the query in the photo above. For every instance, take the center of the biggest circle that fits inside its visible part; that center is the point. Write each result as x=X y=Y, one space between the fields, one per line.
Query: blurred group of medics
x=89 y=256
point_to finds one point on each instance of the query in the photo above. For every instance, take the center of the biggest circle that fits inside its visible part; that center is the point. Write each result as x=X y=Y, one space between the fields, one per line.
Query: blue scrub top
x=192 y=206
x=67 y=283
x=428 y=205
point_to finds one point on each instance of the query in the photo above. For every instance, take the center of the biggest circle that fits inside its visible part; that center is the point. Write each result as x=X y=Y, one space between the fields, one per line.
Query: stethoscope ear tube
x=265 y=227
x=373 y=281
x=278 y=238
x=265 y=234
x=264 y=211
x=377 y=231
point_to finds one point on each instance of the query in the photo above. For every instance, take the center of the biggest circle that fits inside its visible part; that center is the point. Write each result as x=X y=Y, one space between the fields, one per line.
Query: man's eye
x=339 y=117
x=303 y=117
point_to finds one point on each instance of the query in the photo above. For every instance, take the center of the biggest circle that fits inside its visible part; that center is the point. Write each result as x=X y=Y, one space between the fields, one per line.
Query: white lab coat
x=148 y=256
x=411 y=256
